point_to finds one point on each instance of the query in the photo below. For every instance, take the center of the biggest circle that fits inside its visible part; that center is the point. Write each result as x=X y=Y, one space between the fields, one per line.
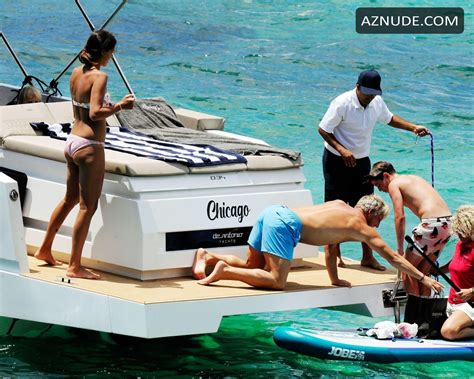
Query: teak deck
x=312 y=275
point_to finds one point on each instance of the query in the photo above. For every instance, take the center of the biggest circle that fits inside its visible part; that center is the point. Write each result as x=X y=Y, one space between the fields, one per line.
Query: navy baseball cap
x=369 y=82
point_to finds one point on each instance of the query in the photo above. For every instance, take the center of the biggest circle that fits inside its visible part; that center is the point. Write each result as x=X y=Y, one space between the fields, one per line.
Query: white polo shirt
x=352 y=124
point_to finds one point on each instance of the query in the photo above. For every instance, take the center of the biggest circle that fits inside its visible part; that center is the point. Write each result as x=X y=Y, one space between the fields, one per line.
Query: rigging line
x=12 y=52
x=54 y=82
x=432 y=160
x=91 y=26
x=432 y=157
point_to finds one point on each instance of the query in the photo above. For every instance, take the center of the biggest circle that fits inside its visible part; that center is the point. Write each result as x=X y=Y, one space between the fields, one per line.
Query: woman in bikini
x=84 y=150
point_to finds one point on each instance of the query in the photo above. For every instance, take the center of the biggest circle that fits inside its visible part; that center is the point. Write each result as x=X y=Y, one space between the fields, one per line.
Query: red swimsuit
x=461 y=269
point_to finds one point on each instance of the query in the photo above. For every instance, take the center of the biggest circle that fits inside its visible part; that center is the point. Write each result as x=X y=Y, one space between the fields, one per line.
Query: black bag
x=428 y=313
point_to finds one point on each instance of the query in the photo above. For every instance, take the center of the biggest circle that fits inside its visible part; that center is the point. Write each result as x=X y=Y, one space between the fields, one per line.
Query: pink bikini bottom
x=74 y=143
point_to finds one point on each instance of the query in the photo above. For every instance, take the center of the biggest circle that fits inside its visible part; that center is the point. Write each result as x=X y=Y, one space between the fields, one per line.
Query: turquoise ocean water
x=271 y=69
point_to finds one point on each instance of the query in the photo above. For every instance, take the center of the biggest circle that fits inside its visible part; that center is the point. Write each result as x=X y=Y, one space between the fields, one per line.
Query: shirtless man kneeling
x=279 y=229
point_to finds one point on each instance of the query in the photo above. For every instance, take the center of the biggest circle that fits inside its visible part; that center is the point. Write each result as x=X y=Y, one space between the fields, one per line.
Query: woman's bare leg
x=91 y=162
x=459 y=325
x=60 y=213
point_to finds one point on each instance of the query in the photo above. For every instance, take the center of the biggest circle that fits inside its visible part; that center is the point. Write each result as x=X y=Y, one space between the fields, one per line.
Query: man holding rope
x=424 y=201
x=347 y=131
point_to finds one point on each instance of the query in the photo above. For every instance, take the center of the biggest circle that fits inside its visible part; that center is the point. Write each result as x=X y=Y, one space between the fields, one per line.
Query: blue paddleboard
x=349 y=345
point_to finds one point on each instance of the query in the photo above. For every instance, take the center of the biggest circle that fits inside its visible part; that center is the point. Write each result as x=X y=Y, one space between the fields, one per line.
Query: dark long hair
x=98 y=43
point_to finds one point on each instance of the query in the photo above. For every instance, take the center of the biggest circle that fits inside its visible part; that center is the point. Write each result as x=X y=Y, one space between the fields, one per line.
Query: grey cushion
x=115 y=161
x=15 y=119
x=61 y=111
x=270 y=162
x=198 y=120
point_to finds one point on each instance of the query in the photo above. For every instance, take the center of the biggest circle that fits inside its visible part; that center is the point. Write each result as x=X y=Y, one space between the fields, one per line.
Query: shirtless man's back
x=278 y=230
x=418 y=196
x=425 y=202
x=329 y=223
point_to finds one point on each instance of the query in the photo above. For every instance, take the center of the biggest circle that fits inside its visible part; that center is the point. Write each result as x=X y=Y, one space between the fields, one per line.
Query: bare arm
x=373 y=239
x=399 y=210
x=332 y=252
x=465 y=294
x=99 y=111
x=400 y=123
x=349 y=159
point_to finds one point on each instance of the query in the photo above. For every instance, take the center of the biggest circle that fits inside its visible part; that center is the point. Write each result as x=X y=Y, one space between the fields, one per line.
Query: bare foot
x=81 y=273
x=215 y=275
x=372 y=263
x=341 y=264
x=47 y=257
x=199 y=264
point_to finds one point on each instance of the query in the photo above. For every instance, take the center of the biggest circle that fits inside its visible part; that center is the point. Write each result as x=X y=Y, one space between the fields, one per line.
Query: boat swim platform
x=33 y=291
x=180 y=306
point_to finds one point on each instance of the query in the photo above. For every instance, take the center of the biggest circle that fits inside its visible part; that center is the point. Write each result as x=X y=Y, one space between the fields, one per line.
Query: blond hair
x=29 y=94
x=463 y=221
x=374 y=204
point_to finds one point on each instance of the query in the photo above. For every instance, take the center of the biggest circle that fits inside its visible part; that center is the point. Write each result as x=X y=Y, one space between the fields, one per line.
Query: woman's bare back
x=82 y=85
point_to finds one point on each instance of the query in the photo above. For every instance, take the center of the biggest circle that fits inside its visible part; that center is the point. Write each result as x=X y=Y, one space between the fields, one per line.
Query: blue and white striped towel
x=128 y=141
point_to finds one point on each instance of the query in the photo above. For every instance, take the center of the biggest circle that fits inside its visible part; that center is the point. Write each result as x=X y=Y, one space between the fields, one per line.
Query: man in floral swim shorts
x=424 y=201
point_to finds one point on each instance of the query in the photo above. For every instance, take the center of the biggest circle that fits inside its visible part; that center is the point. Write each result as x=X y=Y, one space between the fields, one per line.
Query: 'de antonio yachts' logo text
x=216 y=210
x=227 y=236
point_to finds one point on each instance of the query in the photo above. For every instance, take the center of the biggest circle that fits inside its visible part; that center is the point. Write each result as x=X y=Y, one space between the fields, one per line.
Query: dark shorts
x=345 y=183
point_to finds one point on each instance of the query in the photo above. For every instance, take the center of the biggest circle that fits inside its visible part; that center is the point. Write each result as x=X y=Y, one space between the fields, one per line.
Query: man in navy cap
x=347 y=132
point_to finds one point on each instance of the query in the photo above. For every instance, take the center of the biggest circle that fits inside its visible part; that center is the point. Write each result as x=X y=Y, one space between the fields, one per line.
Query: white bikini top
x=107 y=101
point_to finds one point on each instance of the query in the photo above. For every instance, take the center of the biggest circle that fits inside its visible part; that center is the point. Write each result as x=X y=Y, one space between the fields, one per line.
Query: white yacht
x=151 y=218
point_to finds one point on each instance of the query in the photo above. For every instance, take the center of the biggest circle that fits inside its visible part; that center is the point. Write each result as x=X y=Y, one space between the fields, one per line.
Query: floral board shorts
x=432 y=234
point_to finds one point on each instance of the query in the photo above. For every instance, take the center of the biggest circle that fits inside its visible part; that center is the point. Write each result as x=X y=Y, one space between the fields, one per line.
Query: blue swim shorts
x=277 y=232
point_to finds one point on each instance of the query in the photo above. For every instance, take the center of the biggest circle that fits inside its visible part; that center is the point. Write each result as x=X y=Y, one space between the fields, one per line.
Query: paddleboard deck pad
x=352 y=346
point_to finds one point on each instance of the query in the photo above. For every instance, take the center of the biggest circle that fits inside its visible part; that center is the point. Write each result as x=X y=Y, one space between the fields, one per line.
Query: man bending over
x=279 y=229
x=424 y=201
